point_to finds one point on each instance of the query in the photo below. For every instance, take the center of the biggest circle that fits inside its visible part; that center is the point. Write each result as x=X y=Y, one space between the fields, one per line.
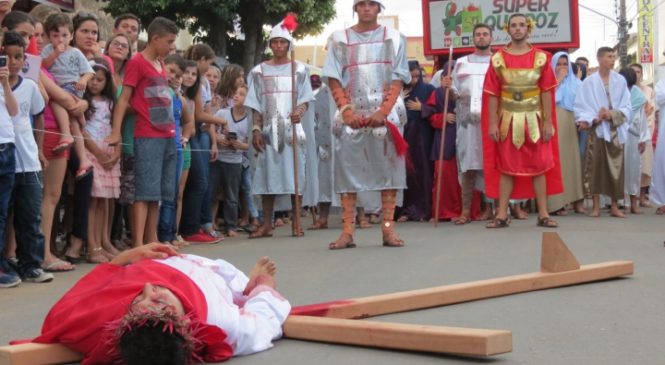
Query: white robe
x=273 y=174
x=251 y=322
x=591 y=97
x=657 y=190
x=638 y=132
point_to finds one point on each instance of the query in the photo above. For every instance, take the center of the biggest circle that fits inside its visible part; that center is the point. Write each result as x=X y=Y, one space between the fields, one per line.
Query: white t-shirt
x=30 y=102
x=239 y=126
x=6 y=126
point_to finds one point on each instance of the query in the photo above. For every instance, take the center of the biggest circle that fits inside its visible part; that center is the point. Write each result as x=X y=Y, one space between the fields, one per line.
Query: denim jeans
x=197 y=185
x=246 y=191
x=583 y=135
x=166 y=228
x=7 y=170
x=26 y=205
x=227 y=177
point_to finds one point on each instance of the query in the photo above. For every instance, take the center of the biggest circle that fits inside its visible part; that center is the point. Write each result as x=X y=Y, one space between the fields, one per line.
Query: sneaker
x=9 y=280
x=37 y=275
x=202 y=237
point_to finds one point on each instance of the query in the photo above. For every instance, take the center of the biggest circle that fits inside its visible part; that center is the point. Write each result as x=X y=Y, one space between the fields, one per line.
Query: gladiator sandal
x=388 y=203
x=345 y=239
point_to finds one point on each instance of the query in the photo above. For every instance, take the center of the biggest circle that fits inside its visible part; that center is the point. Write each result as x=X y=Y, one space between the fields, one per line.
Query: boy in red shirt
x=146 y=90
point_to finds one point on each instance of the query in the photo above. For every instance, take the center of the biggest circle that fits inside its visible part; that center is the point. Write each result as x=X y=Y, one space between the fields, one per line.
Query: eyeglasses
x=120 y=45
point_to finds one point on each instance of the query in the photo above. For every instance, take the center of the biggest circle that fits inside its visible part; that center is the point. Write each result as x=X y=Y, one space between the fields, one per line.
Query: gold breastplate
x=520 y=98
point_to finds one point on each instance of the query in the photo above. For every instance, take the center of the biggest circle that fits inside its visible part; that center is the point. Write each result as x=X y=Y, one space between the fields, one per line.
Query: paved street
x=614 y=322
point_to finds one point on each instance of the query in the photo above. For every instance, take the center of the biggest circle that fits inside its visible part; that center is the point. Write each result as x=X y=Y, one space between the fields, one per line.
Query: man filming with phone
x=231 y=145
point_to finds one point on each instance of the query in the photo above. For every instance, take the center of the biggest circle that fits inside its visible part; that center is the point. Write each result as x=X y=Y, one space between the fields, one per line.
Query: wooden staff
x=443 y=139
x=294 y=101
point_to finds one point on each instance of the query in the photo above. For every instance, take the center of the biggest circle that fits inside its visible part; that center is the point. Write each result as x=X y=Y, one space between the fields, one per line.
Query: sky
x=598 y=31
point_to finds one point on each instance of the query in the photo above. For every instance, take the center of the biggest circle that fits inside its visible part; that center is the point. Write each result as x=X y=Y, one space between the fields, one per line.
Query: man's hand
x=258 y=142
x=604 y=114
x=548 y=130
x=582 y=126
x=642 y=146
x=378 y=119
x=451 y=118
x=351 y=119
x=295 y=117
x=150 y=251
x=493 y=131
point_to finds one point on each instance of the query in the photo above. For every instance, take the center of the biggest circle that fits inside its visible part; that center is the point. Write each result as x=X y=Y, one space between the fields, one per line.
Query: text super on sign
x=453 y=21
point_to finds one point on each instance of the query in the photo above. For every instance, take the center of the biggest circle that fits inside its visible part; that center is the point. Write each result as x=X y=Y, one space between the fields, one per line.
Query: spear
x=443 y=139
x=290 y=23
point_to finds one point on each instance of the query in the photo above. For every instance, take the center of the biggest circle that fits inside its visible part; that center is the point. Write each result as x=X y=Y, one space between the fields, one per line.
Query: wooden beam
x=464 y=292
x=555 y=256
x=434 y=339
x=397 y=336
x=37 y=354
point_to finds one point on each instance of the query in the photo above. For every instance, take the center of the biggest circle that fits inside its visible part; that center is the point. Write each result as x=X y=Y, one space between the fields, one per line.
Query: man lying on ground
x=154 y=305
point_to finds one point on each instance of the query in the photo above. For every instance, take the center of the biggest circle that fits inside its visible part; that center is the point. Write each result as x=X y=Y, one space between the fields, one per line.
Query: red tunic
x=80 y=319
x=533 y=158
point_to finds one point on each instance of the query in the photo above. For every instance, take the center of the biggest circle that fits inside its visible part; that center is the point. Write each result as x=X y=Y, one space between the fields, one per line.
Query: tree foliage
x=218 y=23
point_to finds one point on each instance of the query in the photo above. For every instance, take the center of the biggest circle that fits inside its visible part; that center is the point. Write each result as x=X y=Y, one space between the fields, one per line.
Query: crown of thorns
x=169 y=323
x=530 y=24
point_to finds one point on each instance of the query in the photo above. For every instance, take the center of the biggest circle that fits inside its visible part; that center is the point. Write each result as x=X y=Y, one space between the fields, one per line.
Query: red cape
x=80 y=319
x=523 y=185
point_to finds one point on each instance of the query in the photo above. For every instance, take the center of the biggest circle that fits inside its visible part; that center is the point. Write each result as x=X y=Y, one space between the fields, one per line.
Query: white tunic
x=468 y=77
x=251 y=322
x=638 y=132
x=270 y=95
x=657 y=190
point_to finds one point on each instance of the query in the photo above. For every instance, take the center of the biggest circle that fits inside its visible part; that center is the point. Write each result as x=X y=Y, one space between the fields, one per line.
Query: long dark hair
x=78 y=20
x=100 y=64
x=121 y=71
x=191 y=92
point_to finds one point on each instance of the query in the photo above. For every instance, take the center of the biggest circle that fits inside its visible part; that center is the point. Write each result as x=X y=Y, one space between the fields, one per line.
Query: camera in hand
x=232 y=135
x=3 y=61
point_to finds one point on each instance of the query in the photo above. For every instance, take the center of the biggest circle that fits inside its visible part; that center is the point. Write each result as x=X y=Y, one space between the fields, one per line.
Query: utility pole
x=623 y=35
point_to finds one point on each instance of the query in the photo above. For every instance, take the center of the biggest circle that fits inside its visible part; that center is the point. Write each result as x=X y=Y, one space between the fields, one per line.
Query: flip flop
x=83 y=173
x=59 y=266
x=497 y=223
x=547 y=222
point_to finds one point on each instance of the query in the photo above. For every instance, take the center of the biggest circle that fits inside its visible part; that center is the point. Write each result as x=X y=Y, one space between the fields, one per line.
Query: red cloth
x=151 y=99
x=532 y=159
x=450 y=203
x=80 y=319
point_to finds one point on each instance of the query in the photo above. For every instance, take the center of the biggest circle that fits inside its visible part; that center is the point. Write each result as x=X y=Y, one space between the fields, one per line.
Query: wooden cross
x=340 y=321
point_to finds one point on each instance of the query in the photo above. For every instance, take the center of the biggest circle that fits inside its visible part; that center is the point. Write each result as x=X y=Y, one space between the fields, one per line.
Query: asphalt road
x=619 y=321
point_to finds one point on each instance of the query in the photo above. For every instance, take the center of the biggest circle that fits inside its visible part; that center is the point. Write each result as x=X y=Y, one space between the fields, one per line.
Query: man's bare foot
x=595 y=212
x=263 y=273
x=616 y=212
x=636 y=210
x=263 y=266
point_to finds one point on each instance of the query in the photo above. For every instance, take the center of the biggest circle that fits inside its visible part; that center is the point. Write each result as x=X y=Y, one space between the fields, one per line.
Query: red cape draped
x=523 y=186
x=79 y=320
